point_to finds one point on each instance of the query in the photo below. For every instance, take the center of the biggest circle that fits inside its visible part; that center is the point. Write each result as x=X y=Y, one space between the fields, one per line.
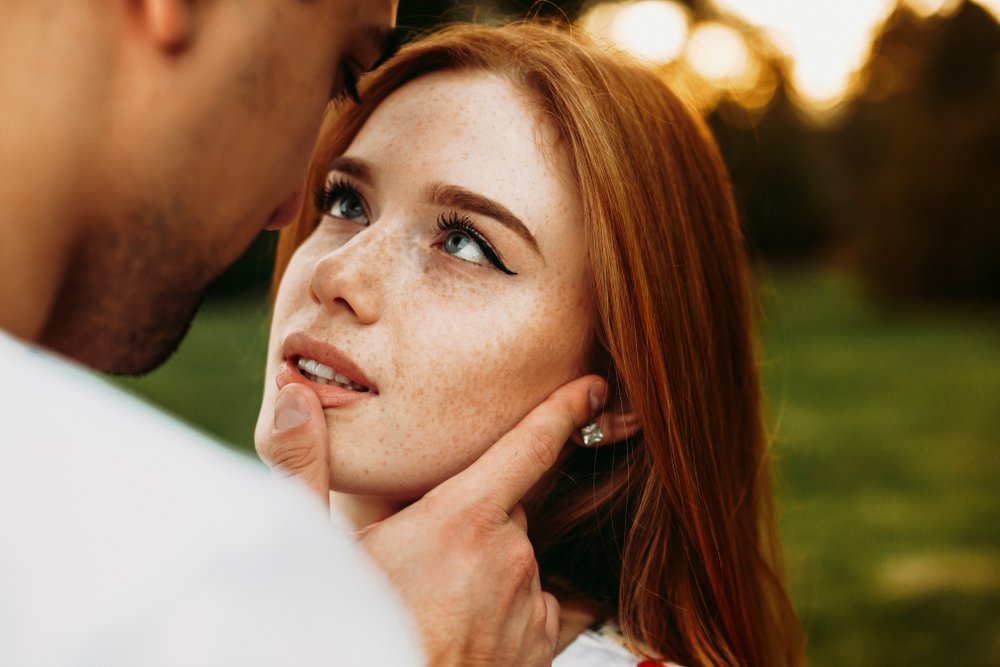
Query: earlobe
x=168 y=22
x=608 y=428
x=615 y=424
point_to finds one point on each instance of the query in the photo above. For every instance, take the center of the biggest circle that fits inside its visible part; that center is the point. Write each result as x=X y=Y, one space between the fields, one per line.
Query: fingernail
x=290 y=411
x=598 y=394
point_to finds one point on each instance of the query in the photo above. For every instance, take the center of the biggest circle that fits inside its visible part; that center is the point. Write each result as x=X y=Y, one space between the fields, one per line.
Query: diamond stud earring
x=592 y=435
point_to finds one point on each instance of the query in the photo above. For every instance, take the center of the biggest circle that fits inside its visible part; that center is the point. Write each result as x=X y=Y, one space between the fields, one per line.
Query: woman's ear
x=169 y=23
x=616 y=422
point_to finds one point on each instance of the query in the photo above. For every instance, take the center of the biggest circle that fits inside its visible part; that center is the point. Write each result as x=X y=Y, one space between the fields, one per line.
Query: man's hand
x=460 y=556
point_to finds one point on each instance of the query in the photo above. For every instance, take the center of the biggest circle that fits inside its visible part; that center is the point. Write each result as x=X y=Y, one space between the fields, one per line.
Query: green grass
x=886 y=437
x=215 y=379
x=887 y=429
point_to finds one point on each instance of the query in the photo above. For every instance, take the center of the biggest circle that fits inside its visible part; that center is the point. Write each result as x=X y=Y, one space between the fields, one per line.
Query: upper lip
x=298 y=345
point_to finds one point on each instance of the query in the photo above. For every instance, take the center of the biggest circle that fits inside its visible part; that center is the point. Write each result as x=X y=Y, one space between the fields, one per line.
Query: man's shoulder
x=69 y=436
x=44 y=396
x=126 y=529
x=88 y=437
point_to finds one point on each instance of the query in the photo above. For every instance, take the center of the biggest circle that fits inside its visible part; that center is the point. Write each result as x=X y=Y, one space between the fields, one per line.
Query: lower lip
x=330 y=395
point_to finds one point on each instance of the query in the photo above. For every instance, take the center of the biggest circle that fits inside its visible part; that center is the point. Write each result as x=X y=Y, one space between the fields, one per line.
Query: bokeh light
x=993 y=6
x=654 y=30
x=825 y=42
x=720 y=55
x=825 y=45
x=927 y=8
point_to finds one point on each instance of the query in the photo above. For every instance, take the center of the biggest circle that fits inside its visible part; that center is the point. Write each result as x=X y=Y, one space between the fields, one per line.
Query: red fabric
x=650 y=663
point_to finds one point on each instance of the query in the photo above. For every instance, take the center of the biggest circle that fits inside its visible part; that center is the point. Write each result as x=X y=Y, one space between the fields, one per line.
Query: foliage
x=776 y=167
x=924 y=157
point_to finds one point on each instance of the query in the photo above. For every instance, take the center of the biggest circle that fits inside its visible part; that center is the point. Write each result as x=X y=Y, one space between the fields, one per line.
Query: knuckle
x=483 y=520
x=541 y=446
x=522 y=562
x=540 y=613
x=539 y=609
x=474 y=523
x=290 y=456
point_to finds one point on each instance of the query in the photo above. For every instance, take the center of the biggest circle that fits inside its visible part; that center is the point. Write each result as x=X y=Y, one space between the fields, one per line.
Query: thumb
x=295 y=444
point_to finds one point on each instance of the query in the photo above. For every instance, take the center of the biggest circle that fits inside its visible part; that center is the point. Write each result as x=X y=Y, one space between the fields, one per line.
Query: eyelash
x=449 y=222
x=446 y=222
x=325 y=196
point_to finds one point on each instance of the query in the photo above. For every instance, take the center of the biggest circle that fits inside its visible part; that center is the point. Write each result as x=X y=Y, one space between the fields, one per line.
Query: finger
x=508 y=469
x=519 y=518
x=296 y=445
x=552 y=623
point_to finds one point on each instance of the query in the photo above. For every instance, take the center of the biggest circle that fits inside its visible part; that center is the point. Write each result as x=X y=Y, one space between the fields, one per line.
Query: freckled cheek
x=473 y=378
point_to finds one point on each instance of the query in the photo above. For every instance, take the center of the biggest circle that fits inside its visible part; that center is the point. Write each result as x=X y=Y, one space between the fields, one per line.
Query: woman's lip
x=330 y=395
x=298 y=345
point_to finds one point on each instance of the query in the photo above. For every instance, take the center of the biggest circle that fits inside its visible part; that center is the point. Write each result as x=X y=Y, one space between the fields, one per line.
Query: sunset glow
x=826 y=44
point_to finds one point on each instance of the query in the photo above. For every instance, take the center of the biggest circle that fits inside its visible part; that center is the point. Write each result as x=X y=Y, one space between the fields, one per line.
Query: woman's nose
x=348 y=278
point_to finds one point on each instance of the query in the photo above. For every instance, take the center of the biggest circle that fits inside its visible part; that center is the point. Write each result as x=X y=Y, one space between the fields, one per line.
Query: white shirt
x=129 y=539
x=601 y=648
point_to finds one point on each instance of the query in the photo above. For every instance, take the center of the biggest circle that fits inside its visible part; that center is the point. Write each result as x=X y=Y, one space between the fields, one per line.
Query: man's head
x=207 y=119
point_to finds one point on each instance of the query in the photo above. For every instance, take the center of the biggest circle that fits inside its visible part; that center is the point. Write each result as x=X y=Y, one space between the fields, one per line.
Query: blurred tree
x=924 y=150
x=774 y=163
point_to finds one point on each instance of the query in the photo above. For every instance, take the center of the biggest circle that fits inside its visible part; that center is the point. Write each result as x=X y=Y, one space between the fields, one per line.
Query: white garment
x=598 y=649
x=129 y=539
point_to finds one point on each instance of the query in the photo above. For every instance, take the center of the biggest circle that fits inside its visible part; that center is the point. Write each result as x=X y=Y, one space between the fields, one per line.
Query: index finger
x=508 y=469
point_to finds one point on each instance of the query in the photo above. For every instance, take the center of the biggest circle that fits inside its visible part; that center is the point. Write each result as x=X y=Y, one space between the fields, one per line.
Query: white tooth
x=322 y=380
x=342 y=379
x=323 y=371
x=315 y=368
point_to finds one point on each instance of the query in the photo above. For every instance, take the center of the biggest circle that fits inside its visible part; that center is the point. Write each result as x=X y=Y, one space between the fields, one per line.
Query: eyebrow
x=352 y=167
x=458 y=197
x=443 y=194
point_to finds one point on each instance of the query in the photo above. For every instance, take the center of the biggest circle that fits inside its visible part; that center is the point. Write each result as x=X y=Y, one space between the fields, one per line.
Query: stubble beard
x=128 y=299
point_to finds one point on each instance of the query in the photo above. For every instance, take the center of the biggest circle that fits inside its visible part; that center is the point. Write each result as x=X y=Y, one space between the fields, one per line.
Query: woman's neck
x=574 y=617
x=361 y=511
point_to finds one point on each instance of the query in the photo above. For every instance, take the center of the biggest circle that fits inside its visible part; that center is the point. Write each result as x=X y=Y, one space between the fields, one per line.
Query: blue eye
x=342 y=200
x=461 y=245
x=463 y=240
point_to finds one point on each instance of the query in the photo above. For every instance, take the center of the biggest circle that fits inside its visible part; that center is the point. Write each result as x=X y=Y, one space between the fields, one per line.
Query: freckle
x=367 y=471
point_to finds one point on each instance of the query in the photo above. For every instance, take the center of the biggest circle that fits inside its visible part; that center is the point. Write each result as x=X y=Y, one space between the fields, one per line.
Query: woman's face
x=448 y=279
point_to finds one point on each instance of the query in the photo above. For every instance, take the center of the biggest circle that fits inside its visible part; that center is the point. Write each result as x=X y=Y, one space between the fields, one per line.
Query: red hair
x=672 y=533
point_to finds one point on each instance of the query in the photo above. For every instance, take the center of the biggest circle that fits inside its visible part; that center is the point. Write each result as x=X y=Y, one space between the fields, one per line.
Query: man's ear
x=169 y=23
